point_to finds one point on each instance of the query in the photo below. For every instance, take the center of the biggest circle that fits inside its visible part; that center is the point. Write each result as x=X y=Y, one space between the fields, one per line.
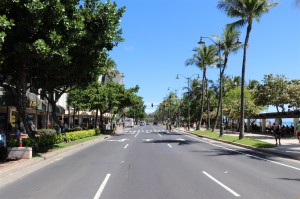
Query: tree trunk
x=202 y=98
x=96 y=119
x=54 y=114
x=242 y=114
x=22 y=99
x=74 y=113
x=101 y=121
x=220 y=97
x=207 y=106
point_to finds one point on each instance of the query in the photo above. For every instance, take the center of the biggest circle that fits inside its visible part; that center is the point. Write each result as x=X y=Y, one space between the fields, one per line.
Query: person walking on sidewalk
x=298 y=131
x=277 y=133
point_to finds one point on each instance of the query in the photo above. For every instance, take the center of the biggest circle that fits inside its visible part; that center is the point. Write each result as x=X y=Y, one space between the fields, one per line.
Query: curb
x=248 y=147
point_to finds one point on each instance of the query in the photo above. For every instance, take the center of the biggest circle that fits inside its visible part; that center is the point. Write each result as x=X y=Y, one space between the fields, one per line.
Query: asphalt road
x=146 y=162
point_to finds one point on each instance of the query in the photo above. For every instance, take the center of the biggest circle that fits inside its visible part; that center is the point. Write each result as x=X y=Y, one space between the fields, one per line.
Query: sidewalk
x=289 y=148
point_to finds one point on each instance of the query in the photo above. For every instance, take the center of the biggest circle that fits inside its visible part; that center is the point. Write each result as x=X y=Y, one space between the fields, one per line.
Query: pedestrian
x=170 y=126
x=298 y=131
x=114 y=128
x=277 y=133
x=185 y=126
x=66 y=126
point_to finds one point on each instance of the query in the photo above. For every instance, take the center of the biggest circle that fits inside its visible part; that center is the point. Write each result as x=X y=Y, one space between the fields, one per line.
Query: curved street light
x=188 y=78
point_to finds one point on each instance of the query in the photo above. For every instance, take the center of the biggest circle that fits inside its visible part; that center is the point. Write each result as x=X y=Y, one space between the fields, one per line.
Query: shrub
x=80 y=134
x=47 y=131
x=78 y=128
x=48 y=138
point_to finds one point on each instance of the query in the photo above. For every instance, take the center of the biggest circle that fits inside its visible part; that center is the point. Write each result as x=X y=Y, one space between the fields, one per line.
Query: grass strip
x=235 y=139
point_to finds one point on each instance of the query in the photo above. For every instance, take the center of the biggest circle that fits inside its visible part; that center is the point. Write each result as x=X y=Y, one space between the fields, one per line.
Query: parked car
x=155 y=123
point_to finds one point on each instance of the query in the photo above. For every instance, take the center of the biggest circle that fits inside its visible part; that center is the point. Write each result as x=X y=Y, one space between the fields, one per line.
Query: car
x=148 y=123
x=155 y=123
x=142 y=123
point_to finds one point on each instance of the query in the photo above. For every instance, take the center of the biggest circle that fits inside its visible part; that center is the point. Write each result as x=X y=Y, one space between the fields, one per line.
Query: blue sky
x=160 y=35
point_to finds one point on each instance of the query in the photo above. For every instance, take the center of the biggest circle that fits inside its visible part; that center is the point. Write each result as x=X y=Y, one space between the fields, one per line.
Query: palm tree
x=229 y=43
x=205 y=56
x=108 y=70
x=246 y=10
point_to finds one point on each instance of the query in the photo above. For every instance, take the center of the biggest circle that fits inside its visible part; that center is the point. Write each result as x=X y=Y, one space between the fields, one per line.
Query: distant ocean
x=286 y=122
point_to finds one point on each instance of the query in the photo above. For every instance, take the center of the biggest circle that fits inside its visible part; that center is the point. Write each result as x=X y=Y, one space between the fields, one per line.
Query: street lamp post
x=188 y=79
x=221 y=78
x=221 y=81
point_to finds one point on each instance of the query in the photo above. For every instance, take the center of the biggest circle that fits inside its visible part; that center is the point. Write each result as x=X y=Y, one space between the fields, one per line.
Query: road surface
x=146 y=162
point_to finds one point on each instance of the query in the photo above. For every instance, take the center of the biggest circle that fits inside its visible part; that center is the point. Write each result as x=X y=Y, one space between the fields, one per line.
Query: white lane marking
x=122 y=140
x=126 y=146
x=136 y=134
x=170 y=145
x=221 y=184
x=101 y=188
x=148 y=140
x=159 y=134
x=253 y=156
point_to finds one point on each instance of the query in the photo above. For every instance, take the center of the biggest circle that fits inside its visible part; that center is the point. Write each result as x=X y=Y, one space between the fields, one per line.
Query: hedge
x=47 y=139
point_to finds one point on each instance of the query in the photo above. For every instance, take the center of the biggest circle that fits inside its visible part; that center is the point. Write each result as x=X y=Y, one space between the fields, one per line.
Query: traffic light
x=152 y=104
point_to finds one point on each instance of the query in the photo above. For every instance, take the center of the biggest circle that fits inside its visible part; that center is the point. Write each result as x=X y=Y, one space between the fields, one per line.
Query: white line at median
x=101 y=188
x=170 y=145
x=126 y=146
x=221 y=184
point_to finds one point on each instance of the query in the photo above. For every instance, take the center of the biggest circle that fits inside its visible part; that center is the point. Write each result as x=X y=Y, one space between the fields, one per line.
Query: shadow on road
x=180 y=142
x=292 y=179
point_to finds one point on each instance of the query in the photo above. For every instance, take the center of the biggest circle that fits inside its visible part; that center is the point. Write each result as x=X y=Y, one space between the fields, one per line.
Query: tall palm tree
x=204 y=56
x=228 y=44
x=246 y=10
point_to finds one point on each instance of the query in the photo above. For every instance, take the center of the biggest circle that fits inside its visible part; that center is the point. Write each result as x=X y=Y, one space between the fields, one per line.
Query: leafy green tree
x=76 y=99
x=293 y=91
x=246 y=10
x=137 y=109
x=273 y=92
x=110 y=98
x=4 y=25
x=56 y=45
x=232 y=104
x=89 y=56
x=205 y=56
x=42 y=34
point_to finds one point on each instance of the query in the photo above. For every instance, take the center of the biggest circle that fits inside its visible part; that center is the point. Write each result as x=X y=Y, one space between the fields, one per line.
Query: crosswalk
x=141 y=131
